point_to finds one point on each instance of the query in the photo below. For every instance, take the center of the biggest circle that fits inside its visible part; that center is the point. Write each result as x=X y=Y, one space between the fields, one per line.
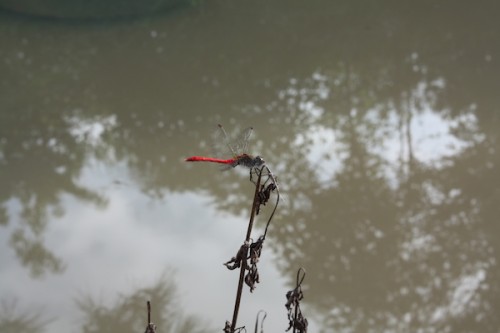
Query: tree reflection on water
x=45 y=140
x=13 y=320
x=129 y=313
x=400 y=236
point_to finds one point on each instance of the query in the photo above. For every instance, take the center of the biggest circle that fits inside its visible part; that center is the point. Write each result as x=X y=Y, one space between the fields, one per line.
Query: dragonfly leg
x=254 y=171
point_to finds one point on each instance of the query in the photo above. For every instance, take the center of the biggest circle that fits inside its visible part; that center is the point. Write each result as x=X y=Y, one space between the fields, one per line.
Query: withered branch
x=265 y=185
x=295 y=318
x=261 y=323
x=150 y=328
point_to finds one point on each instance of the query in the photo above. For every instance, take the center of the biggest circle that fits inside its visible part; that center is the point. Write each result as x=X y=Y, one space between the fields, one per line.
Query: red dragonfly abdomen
x=210 y=159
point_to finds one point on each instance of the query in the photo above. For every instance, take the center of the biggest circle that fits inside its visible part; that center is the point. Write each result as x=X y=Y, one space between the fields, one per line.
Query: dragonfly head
x=259 y=161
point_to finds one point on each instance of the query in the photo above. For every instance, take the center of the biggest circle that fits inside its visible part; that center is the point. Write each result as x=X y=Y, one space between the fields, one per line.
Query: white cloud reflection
x=432 y=140
x=131 y=243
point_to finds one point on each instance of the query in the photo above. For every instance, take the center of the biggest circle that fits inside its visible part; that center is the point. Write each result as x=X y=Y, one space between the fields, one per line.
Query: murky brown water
x=381 y=121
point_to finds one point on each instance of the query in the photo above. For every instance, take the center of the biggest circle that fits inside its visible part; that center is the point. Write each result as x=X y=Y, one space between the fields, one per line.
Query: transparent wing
x=240 y=145
x=224 y=147
x=220 y=143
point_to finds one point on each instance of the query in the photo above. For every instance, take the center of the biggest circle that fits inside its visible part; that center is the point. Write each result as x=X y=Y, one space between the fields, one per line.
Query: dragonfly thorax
x=249 y=161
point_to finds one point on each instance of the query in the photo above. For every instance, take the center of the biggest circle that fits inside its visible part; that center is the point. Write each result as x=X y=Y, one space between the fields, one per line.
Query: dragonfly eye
x=259 y=160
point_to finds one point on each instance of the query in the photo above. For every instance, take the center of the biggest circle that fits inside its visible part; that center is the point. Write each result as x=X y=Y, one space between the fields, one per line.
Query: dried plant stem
x=296 y=319
x=150 y=328
x=243 y=267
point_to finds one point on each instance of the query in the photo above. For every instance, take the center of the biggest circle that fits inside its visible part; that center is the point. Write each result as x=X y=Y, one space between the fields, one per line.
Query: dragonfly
x=237 y=150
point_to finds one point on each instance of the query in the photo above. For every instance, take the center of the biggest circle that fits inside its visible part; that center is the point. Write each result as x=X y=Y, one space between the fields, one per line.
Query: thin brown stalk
x=255 y=205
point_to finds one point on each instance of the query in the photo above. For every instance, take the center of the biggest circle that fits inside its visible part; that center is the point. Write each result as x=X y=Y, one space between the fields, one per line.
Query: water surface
x=380 y=120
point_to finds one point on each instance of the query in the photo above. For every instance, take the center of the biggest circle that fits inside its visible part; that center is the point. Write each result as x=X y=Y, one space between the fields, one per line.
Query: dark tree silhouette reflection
x=129 y=314
x=13 y=320
x=46 y=141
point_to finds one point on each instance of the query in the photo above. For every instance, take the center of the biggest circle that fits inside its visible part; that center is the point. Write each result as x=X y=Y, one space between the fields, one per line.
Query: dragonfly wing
x=240 y=145
x=223 y=146
x=225 y=167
